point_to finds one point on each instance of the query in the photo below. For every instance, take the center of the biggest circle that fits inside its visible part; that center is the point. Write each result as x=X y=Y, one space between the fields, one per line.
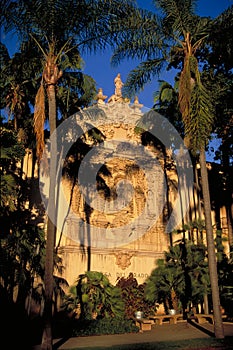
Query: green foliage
x=221 y=41
x=225 y=274
x=162 y=281
x=133 y=295
x=103 y=326
x=97 y=295
x=220 y=83
x=21 y=257
x=70 y=301
x=175 y=19
x=11 y=149
x=17 y=88
x=166 y=103
x=217 y=76
x=22 y=242
x=181 y=276
x=12 y=152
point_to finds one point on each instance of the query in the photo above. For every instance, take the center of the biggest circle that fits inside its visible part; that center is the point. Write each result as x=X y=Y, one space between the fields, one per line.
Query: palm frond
x=178 y=15
x=165 y=92
x=201 y=117
x=141 y=39
x=141 y=75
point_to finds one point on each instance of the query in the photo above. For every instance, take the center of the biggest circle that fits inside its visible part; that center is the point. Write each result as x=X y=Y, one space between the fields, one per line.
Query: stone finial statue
x=136 y=105
x=117 y=97
x=136 y=101
x=100 y=97
x=118 y=85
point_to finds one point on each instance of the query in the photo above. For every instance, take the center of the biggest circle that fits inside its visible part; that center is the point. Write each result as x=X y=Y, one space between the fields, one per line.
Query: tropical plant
x=20 y=238
x=166 y=103
x=133 y=295
x=12 y=152
x=175 y=37
x=98 y=297
x=71 y=302
x=15 y=87
x=163 y=284
x=225 y=274
x=20 y=261
x=225 y=271
x=180 y=279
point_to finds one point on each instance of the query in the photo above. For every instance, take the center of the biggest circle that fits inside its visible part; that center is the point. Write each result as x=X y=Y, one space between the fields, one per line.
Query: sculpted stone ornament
x=136 y=102
x=136 y=105
x=117 y=97
x=118 y=85
x=123 y=259
x=100 y=97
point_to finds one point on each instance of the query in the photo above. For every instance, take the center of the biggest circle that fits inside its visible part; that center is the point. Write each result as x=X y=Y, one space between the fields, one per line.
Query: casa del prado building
x=123 y=189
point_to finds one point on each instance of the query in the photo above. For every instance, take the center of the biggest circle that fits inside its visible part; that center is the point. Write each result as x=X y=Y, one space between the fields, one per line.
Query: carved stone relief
x=123 y=259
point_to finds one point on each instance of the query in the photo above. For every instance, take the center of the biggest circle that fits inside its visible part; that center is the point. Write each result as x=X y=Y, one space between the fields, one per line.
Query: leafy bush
x=103 y=326
x=133 y=295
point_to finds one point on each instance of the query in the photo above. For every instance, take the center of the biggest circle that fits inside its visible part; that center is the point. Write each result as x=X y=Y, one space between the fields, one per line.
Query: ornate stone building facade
x=115 y=209
x=119 y=228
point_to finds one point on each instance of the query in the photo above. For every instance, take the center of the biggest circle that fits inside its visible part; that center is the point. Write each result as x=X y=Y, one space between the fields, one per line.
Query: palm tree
x=181 y=277
x=219 y=71
x=175 y=38
x=165 y=284
x=62 y=29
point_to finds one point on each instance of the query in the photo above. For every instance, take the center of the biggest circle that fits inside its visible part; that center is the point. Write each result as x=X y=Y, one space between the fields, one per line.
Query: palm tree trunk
x=206 y=305
x=218 y=325
x=229 y=210
x=47 y=343
x=168 y=197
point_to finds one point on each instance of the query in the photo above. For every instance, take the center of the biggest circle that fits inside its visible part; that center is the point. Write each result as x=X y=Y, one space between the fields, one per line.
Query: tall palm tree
x=61 y=29
x=219 y=71
x=175 y=38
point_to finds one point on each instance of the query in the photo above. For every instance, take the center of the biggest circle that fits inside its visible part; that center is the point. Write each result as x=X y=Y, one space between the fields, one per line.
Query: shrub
x=133 y=295
x=103 y=326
